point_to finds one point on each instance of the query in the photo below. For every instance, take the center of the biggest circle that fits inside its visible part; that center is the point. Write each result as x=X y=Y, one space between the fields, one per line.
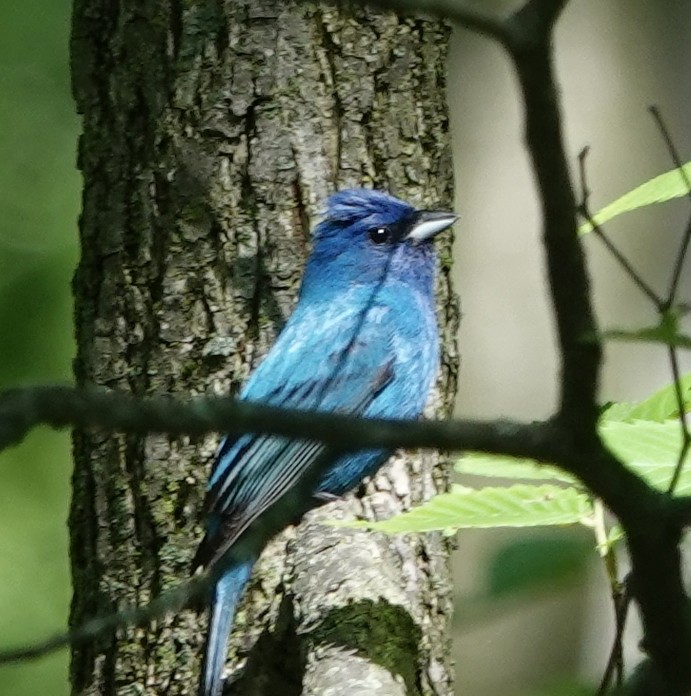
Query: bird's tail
x=225 y=599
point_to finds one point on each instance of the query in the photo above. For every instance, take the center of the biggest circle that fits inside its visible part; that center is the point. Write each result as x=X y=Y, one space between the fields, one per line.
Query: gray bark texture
x=212 y=132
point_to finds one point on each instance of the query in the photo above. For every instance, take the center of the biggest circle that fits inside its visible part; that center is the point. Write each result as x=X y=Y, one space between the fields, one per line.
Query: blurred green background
x=39 y=200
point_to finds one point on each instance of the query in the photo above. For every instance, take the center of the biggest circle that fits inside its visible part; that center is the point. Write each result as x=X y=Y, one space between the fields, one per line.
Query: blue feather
x=362 y=340
x=225 y=600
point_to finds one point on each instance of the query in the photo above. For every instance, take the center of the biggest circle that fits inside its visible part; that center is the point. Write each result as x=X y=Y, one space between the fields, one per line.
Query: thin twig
x=61 y=406
x=617 y=590
x=584 y=211
x=548 y=441
x=674 y=154
x=615 y=662
x=671 y=298
x=623 y=262
x=679 y=265
x=346 y=352
x=671 y=147
x=685 y=435
x=183 y=595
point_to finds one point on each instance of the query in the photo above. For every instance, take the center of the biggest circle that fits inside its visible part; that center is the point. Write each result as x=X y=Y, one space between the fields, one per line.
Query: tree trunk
x=213 y=131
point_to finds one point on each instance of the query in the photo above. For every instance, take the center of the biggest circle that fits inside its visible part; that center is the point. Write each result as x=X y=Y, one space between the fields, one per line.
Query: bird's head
x=367 y=234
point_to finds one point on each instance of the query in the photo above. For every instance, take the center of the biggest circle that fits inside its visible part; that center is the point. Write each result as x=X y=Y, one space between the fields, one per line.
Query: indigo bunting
x=362 y=340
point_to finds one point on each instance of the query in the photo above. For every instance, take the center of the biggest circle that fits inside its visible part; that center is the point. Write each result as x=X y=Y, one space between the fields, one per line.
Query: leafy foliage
x=495 y=466
x=519 y=505
x=659 y=407
x=659 y=189
x=650 y=448
x=645 y=436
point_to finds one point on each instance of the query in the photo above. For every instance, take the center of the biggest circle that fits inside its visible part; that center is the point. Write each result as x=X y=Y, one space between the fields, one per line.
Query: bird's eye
x=380 y=235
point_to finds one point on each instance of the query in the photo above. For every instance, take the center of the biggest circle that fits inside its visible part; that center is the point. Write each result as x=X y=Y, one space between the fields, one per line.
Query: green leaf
x=660 y=475
x=513 y=506
x=650 y=449
x=657 y=190
x=645 y=436
x=497 y=466
x=644 y=441
x=617 y=412
x=659 y=407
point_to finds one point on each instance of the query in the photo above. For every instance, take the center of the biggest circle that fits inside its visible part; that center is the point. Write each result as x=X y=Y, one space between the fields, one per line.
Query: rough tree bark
x=212 y=132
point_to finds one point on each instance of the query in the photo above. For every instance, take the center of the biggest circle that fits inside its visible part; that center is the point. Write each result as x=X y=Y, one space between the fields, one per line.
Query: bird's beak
x=428 y=223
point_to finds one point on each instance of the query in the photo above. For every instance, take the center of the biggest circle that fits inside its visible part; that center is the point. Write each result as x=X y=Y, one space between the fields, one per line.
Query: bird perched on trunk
x=362 y=340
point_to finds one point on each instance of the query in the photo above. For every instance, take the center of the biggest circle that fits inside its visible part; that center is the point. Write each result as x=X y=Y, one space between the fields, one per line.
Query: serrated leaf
x=660 y=475
x=617 y=412
x=650 y=449
x=497 y=466
x=643 y=441
x=659 y=407
x=512 y=506
x=659 y=189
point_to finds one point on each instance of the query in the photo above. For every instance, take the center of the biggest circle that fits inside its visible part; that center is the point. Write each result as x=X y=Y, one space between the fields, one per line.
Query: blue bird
x=362 y=340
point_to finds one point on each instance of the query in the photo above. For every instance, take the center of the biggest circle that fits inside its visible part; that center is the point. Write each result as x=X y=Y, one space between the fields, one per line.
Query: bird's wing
x=253 y=471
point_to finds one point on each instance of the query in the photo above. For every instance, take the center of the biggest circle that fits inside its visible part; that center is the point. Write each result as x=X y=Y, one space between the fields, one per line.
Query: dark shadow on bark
x=377 y=631
x=276 y=664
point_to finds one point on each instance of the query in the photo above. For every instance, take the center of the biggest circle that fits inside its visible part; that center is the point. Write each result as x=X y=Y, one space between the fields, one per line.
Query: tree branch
x=566 y=268
x=548 y=441
x=532 y=23
x=62 y=406
x=174 y=600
